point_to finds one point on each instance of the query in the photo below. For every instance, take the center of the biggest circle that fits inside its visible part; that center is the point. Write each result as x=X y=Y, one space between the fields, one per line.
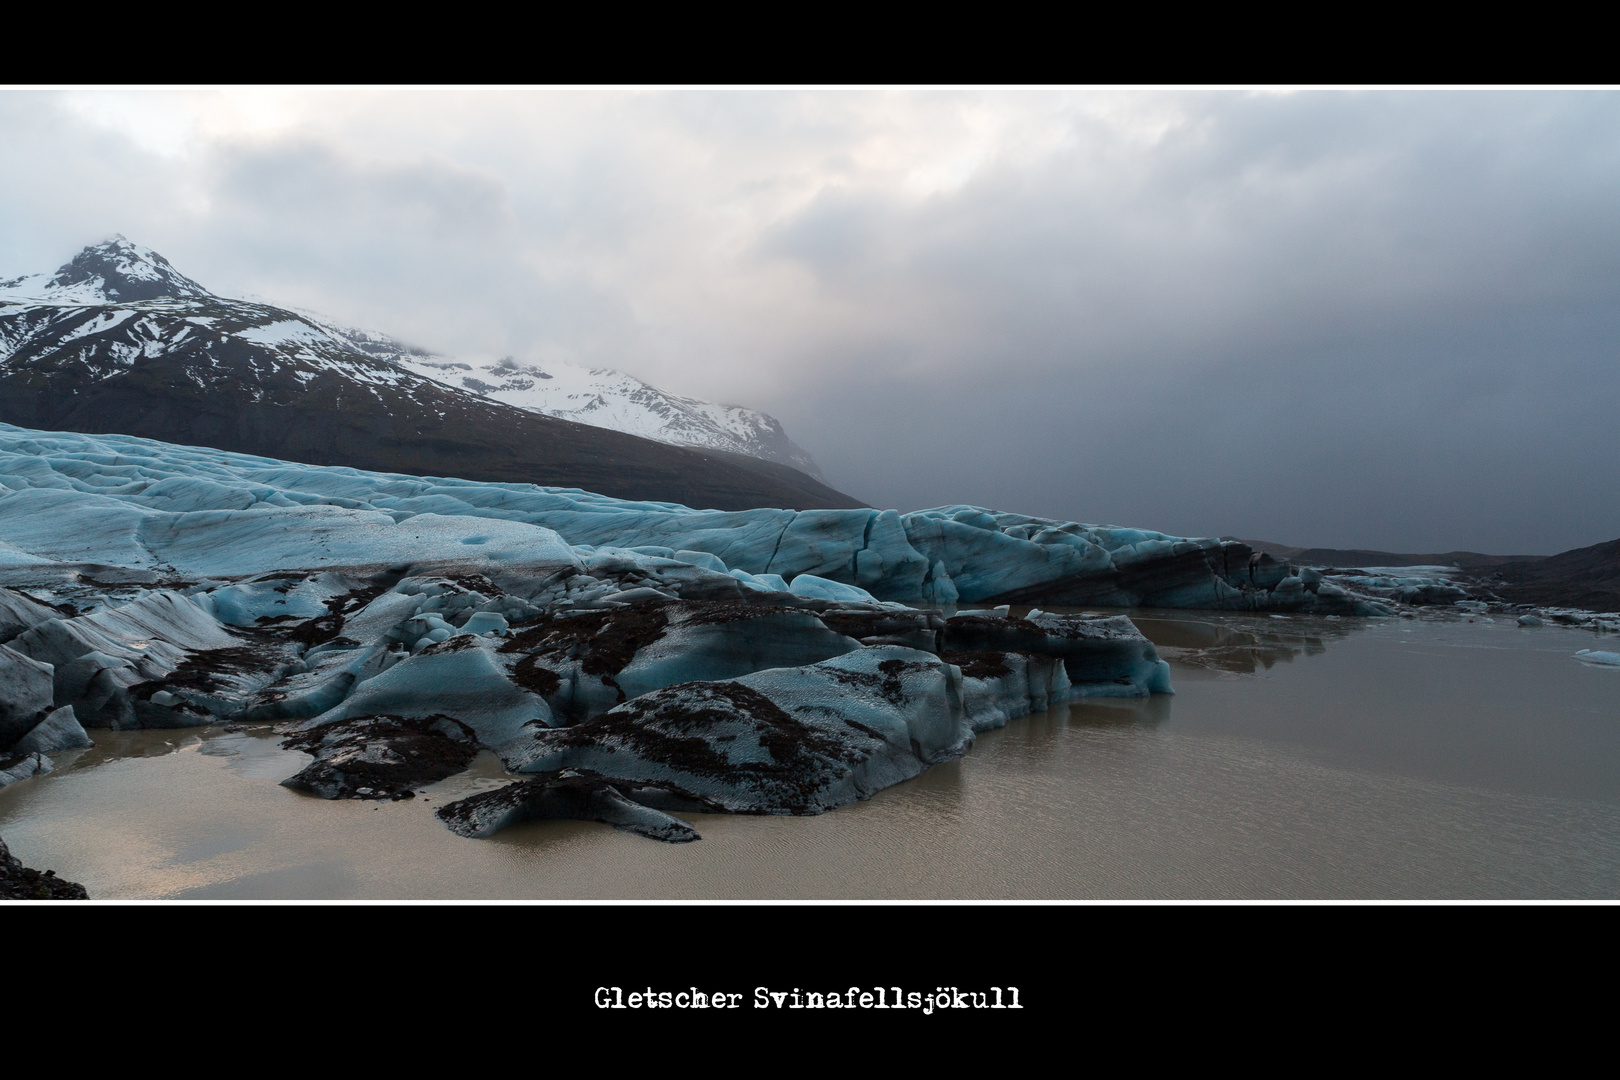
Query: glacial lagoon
x=1301 y=757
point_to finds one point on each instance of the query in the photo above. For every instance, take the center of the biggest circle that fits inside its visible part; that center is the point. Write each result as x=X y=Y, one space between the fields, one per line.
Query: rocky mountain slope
x=118 y=340
x=1586 y=578
x=600 y=397
x=611 y=399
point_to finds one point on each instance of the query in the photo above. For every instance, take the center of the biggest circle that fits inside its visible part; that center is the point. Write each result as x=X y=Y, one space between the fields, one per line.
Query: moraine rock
x=588 y=662
x=19 y=882
x=784 y=741
x=381 y=757
x=573 y=795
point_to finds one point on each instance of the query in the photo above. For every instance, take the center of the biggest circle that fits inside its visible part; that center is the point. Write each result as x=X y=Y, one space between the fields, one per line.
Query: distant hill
x=1586 y=577
x=1353 y=557
x=119 y=341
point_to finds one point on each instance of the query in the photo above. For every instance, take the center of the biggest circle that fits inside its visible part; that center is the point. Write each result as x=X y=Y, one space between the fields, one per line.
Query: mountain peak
x=122 y=270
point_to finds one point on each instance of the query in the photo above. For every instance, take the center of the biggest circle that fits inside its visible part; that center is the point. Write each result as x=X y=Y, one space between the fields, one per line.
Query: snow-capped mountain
x=600 y=397
x=112 y=271
x=119 y=303
x=118 y=340
x=603 y=397
x=119 y=270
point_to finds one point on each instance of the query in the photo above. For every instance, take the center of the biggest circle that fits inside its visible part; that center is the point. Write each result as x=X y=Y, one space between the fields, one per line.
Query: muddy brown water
x=1300 y=758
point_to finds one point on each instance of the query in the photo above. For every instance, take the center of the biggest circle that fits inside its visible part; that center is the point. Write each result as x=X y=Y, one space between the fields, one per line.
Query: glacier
x=118 y=340
x=625 y=660
x=137 y=503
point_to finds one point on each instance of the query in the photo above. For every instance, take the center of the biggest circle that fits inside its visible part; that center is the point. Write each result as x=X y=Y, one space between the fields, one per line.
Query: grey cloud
x=1374 y=319
x=427 y=249
x=62 y=186
x=1379 y=319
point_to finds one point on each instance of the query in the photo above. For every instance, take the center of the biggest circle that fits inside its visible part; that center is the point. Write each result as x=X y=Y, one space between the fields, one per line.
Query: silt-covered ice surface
x=393 y=626
x=610 y=654
x=1301 y=757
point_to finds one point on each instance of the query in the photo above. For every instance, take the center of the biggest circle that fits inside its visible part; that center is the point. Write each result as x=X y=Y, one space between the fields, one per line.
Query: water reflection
x=1240 y=644
x=1142 y=714
x=111 y=746
x=1407 y=758
x=1225 y=641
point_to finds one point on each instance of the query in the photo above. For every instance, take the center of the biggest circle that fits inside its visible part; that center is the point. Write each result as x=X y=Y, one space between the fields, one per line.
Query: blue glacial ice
x=626 y=660
x=133 y=503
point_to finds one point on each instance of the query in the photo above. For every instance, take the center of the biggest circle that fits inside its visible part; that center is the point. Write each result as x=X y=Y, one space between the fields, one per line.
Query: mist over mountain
x=118 y=340
x=600 y=397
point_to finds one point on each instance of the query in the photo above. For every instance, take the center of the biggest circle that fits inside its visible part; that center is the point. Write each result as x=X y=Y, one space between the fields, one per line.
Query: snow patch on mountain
x=606 y=398
x=103 y=322
x=117 y=303
x=46 y=313
x=117 y=270
x=282 y=332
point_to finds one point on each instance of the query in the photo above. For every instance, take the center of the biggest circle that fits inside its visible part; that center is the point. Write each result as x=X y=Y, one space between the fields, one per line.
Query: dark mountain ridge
x=1359 y=557
x=118 y=341
x=1587 y=577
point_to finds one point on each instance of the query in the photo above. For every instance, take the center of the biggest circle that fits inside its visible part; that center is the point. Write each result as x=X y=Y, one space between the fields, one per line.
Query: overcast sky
x=1383 y=319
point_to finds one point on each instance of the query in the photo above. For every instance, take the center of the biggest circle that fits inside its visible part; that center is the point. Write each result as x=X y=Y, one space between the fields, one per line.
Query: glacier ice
x=26 y=692
x=570 y=794
x=59 y=731
x=625 y=660
x=786 y=740
x=380 y=757
x=134 y=503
